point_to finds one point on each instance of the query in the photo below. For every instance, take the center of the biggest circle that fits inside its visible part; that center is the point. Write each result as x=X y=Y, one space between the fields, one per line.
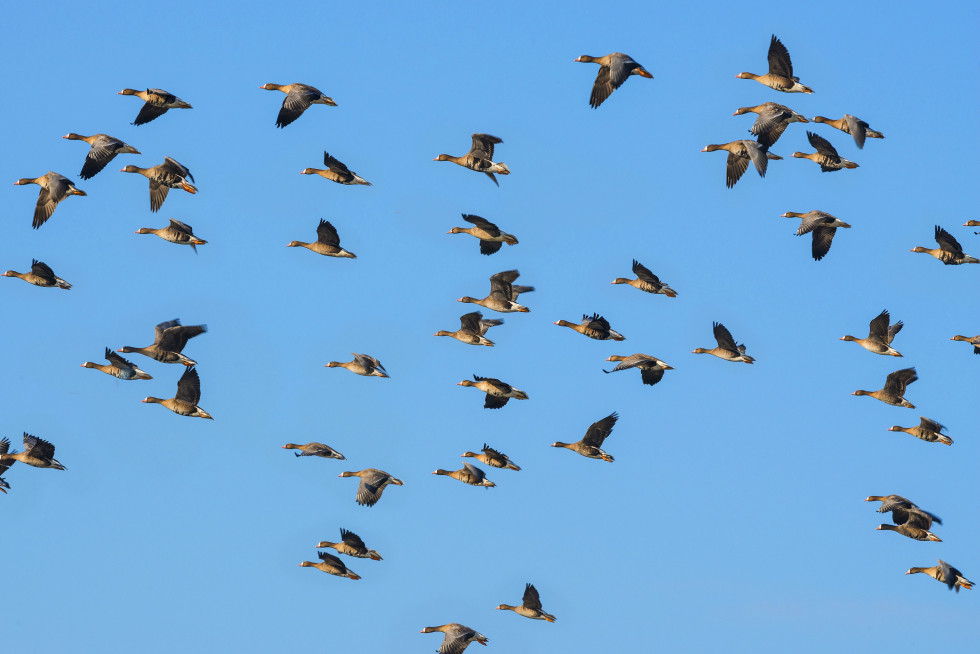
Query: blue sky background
x=732 y=517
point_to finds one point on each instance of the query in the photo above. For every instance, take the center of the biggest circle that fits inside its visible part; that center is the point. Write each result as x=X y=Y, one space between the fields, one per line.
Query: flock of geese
x=171 y=337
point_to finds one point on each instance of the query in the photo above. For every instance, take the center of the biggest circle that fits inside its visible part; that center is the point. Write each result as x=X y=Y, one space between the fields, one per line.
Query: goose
x=331 y=565
x=880 y=335
x=894 y=390
x=498 y=392
x=299 y=98
x=503 y=294
x=530 y=605
x=176 y=232
x=740 y=153
x=169 y=339
x=972 y=340
x=351 y=545
x=950 y=252
x=54 y=188
x=651 y=368
x=591 y=444
x=912 y=523
x=594 y=326
x=188 y=395
x=480 y=157
x=646 y=281
x=40 y=275
x=852 y=125
x=38 y=453
x=472 y=328
x=614 y=70
x=336 y=172
x=363 y=364
x=823 y=226
x=457 y=637
x=314 y=449
x=927 y=430
x=118 y=367
x=163 y=177
x=372 y=485
x=468 y=474
x=826 y=155
x=780 y=75
x=899 y=507
x=493 y=458
x=104 y=149
x=491 y=238
x=773 y=120
x=945 y=573
x=727 y=348
x=157 y=101
x=327 y=242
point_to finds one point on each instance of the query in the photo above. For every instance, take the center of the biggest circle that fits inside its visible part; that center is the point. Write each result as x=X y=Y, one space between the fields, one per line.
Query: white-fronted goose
x=727 y=348
x=299 y=98
x=472 y=328
x=880 y=335
x=372 y=485
x=530 y=606
x=498 y=392
x=614 y=69
x=780 y=75
x=646 y=281
x=912 y=523
x=363 y=364
x=950 y=252
x=899 y=507
x=118 y=367
x=972 y=340
x=315 y=449
x=480 y=157
x=594 y=326
x=503 y=293
x=176 y=232
x=894 y=390
x=457 y=637
x=103 y=149
x=331 y=565
x=491 y=238
x=740 y=153
x=851 y=125
x=188 y=395
x=336 y=171
x=591 y=443
x=773 y=120
x=169 y=339
x=170 y=174
x=54 y=189
x=327 y=242
x=38 y=453
x=493 y=458
x=826 y=155
x=972 y=223
x=651 y=368
x=946 y=574
x=823 y=226
x=157 y=102
x=927 y=430
x=351 y=545
x=40 y=275
x=468 y=474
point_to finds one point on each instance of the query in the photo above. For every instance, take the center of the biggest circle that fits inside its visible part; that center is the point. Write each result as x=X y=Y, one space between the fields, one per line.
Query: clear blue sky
x=732 y=518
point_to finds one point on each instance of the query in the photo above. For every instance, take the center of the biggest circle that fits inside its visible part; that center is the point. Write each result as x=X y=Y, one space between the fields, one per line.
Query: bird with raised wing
x=594 y=326
x=351 y=545
x=826 y=155
x=480 y=157
x=363 y=364
x=591 y=444
x=468 y=474
x=169 y=339
x=37 y=453
x=163 y=177
x=646 y=281
x=336 y=171
x=498 y=392
x=472 y=328
x=950 y=252
x=118 y=367
x=40 y=275
x=176 y=232
x=491 y=238
x=184 y=403
x=727 y=348
x=773 y=120
x=327 y=242
x=492 y=458
x=331 y=565
x=946 y=574
x=503 y=293
x=927 y=430
x=651 y=368
x=530 y=606
x=780 y=76
x=894 y=391
x=880 y=335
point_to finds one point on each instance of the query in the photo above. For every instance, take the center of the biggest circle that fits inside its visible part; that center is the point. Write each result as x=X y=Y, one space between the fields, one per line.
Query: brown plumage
x=299 y=98
x=910 y=521
x=894 y=391
x=594 y=326
x=880 y=335
x=40 y=275
x=727 y=348
x=157 y=102
x=852 y=125
x=176 y=232
x=480 y=157
x=468 y=474
x=336 y=171
x=822 y=225
x=826 y=155
x=780 y=75
x=740 y=153
x=530 y=605
x=118 y=367
x=37 y=453
x=491 y=238
x=457 y=637
x=646 y=281
x=351 y=545
x=170 y=174
x=314 y=449
x=331 y=565
x=493 y=458
x=498 y=392
x=591 y=444
x=614 y=69
x=169 y=339
x=184 y=403
x=950 y=252
x=927 y=430
x=54 y=189
x=899 y=507
x=372 y=485
x=651 y=368
x=972 y=340
x=472 y=328
x=946 y=574
x=104 y=149
x=772 y=121
x=503 y=293
x=363 y=364
x=327 y=242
